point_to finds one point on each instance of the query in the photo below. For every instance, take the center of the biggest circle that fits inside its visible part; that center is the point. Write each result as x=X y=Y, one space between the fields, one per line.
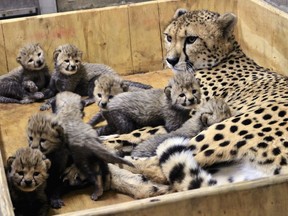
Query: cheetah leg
x=135 y=185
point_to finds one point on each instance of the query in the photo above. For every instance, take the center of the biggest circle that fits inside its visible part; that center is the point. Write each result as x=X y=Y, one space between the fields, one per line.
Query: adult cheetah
x=203 y=42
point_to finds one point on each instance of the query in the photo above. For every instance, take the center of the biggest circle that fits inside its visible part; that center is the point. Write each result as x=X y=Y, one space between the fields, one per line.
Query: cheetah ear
x=179 y=12
x=56 y=54
x=47 y=162
x=58 y=128
x=18 y=59
x=204 y=119
x=227 y=22
x=9 y=163
x=167 y=91
x=124 y=86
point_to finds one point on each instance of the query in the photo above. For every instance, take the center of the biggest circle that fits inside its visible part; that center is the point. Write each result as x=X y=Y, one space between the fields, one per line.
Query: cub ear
x=9 y=163
x=47 y=162
x=124 y=86
x=56 y=54
x=179 y=12
x=227 y=22
x=18 y=59
x=167 y=91
x=204 y=118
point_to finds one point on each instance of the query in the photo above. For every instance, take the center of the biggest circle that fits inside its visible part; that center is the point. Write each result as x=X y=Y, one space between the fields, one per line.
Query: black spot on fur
x=277 y=171
x=220 y=127
x=274 y=108
x=243 y=132
x=230 y=179
x=199 y=138
x=233 y=152
x=208 y=152
x=248 y=136
x=257 y=125
x=144 y=178
x=174 y=149
x=282 y=113
x=177 y=173
x=204 y=147
x=262 y=145
x=283 y=161
x=212 y=182
x=246 y=122
x=136 y=134
x=194 y=171
x=153 y=131
x=195 y=183
x=225 y=143
x=240 y=143
x=233 y=128
x=192 y=147
x=267 y=117
x=276 y=151
x=218 y=137
x=155 y=200
x=266 y=129
x=268 y=138
x=279 y=133
x=259 y=111
x=235 y=120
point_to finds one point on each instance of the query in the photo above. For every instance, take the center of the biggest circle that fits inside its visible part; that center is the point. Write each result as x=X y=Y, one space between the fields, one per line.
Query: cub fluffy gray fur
x=88 y=154
x=171 y=107
x=70 y=74
x=24 y=83
x=211 y=112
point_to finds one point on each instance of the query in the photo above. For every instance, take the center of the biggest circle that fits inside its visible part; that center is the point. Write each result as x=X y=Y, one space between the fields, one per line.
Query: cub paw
x=57 y=203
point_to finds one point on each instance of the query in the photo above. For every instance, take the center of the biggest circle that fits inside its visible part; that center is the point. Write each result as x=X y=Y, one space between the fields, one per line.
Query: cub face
x=214 y=111
x=28 y=169
x=198 y=39
x=74 y=177
x=67 y=59
x=183 y=91
x=44 y=133
x=106 y=87
x=31 y=57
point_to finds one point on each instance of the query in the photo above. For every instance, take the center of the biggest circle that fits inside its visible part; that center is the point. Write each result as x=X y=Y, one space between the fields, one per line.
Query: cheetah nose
x=73 y=67
x=191 y=100
x=172 y=61
x=28 y=182
x=103 y=104
x=39 y=62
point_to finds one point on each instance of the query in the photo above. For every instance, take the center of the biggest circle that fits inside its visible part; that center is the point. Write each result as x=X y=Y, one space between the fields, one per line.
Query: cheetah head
x=67 y=59
x=28 y=169
x=31 y=57
x=198 y=39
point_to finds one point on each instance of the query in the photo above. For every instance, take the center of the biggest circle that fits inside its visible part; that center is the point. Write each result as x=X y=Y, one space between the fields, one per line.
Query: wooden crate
x=135 y=48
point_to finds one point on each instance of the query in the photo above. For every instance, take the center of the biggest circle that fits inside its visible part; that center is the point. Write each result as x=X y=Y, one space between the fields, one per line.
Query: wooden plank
x=3 y=60
x=6 y=207
x=145 y=37
x=264 y=40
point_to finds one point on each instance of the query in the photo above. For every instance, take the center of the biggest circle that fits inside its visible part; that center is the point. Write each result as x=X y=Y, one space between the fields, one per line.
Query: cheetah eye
x=20 y=173
x=182 y=95
x=66 y=60
x=110 y=96
x=36 y=173
x=42 y=140
x=30 y=60
x=99 y=95
x=76 y=61
x=31 y=138
x=191 y=39
x=39 y=54
x=168 y=38
x=194 y=91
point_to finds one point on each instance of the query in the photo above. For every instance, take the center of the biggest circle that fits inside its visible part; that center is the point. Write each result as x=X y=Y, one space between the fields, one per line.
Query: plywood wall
x=128 y=38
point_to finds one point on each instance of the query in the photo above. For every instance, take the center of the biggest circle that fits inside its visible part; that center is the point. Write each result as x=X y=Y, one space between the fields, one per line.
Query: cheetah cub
x=27 y=172
x=70 y=74
x=24 y=84
x=106 y=87
x=209 y=113
x=88 y=154
x=132 y=110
